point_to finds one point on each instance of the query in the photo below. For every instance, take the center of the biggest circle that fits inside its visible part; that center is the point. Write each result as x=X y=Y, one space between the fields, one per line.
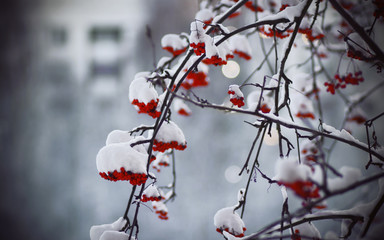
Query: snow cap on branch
x=151 y=193
x=226 y=219
x=235 y=95
x=217 y=55
x=296 y=177
x=115 y=235
x=97 y=231
x=289 y=170
x=160 y=209
x=205 y=15
x=198 y=77
x=341 y=133
x=142 y=147
x=169 y=136
x=289 y=13
x=198 y=38
x=120 y=161
x=118 y=136
x=144 y=97
x=174 y=44
x=349 y=177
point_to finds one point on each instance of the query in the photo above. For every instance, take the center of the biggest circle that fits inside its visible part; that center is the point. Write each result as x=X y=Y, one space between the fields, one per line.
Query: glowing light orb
x=231 y=69
x=273 y=139
x=232 y=174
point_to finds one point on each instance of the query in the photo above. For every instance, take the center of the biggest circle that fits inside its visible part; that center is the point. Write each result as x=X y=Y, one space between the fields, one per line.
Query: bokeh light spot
x=231 y=69
x=232 y=174
x=273 y=139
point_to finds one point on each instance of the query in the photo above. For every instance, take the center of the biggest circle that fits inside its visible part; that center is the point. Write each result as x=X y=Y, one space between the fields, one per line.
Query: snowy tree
x=293 y=45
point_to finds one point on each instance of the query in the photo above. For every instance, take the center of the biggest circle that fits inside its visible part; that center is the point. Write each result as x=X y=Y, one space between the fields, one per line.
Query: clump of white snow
x=226 y=219
x=174 y=41
x=169 y=132
x=350 y=176
x=288 y=170
x=142 y=90
x=97 y=231
x=121 y=155
x=115 y=235
x=118 y=136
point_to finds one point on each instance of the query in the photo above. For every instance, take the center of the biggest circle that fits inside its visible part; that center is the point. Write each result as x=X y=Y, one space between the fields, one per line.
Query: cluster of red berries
x=156 y=167
x=330 y=87
x=314 y=91
x=215 y=60
x=353 y=79
x=284 y=6
x=355 y=54
x=305 y=115
x=239 y=235
x=347 y=4
x=322 y=55
x=149 y=108
x=163 y=215
x=309 y=34
x=145 y=198
x=343 y=81
x=163 y=163
x=279 y=34
x=296 y=235
x=195 y=79
x=175 y=52
x=235 y=14
x=264 y=108
x=183 y=112
x=207 y=23
x=236 y=100
x=163 y=146
x=198 y=48
x=310 y=154
x=304 y=189
x=133 y=178
x=250 y=5
x=357 y=118
x=242 y=54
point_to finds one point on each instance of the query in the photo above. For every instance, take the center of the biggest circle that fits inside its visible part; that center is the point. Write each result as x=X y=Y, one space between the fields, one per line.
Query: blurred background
x=65 y=68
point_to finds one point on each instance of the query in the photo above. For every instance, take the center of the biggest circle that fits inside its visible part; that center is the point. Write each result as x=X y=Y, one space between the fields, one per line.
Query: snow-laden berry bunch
x=289 y=51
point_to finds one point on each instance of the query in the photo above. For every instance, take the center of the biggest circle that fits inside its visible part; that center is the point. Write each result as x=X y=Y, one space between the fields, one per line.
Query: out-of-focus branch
x=372 y=45
x=286 y=124
x=372 y=216
x=303 y=211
